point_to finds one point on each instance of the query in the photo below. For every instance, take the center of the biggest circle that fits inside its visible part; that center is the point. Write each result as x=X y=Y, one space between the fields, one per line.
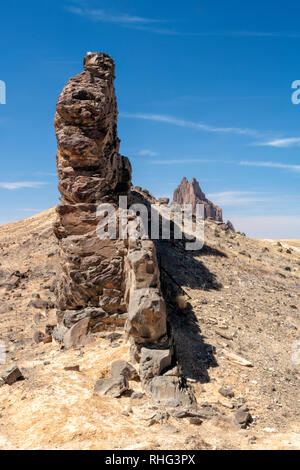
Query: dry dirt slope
x=243 y=298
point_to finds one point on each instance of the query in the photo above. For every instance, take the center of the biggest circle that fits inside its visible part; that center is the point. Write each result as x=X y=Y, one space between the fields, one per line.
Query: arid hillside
x=239 y=346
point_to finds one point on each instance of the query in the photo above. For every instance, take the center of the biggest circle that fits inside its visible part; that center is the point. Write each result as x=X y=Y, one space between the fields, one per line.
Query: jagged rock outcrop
x=91 y=171
x=191 y=193
x=102 y=281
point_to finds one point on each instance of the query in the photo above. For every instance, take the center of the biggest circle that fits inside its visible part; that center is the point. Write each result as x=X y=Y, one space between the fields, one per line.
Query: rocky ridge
x=241 y=303
x=105 y=281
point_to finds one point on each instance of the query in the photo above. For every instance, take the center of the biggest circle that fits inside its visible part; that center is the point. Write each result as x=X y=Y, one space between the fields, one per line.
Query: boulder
x=10 y=376
x=153 y=362
x=165 y=388
x=242 y=418
x=78 y=335
x=112 y=386
x=146 y=315
x=125 y=369
x=226 y=392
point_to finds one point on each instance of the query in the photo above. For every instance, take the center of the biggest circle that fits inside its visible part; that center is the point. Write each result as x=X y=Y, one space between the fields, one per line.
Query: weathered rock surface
x=262 y=336
x=147 y=316
x=165 y=388
x=91 y=171
x=226 y=392
x=78 y=335
x=191 y=193
x=112 y=386
x=11 y=375
x=242 y=418
x=102 y=281
x=121 y=367
x=153 y=362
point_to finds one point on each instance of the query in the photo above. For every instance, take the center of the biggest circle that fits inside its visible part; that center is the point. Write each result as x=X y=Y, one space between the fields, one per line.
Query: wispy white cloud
x=182 y=161
x=103 y=16
x=155 y=30
x=190 y=124
x=238 y=198
x=151 y=25
x=147 y=153
x=126 y=20
x=258 y=34
x=258 y=164
x=285 y=166
x=290 y=142
x=11 y=186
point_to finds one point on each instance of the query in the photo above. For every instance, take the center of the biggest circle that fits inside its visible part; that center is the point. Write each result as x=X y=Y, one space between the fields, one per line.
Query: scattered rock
x=78 y=335
x=74 y=368
x=49 y=328
x=41 y=304
x=40 y=337
x=59 y=332
x=113 y=386
x=124 y=368
x=113 y=337
x=226 y=392
x=137 y=396
x=12 y=375
x=157 y=419
x=202 y=413
x=232 y=357
x=196 y=421
x=242 y=418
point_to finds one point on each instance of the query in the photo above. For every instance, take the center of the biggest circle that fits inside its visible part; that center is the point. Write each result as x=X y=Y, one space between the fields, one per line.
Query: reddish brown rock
x=91 y=171
x=190 y=193
x=78 y=335
x=99 y=279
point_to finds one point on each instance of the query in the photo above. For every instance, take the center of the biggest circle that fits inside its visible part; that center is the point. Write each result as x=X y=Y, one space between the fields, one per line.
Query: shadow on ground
x=180 y=269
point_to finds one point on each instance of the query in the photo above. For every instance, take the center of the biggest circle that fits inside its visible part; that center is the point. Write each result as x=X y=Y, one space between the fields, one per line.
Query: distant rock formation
x=191 y=193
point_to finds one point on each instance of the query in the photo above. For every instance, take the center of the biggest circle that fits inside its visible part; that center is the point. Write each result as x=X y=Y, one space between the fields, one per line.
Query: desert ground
x=243 y=297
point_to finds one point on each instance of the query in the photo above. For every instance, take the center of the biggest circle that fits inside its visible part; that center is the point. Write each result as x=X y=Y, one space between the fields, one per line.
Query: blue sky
x=204 y=90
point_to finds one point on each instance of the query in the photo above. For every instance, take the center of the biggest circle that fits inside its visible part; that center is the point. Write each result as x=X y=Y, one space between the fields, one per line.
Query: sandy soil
x=244 y=299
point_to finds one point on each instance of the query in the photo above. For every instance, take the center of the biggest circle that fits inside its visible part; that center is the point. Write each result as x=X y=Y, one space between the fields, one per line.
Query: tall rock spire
x=90 y=171
x=100 y=282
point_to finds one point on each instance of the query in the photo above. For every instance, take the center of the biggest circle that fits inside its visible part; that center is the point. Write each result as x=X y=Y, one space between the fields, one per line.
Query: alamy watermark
x=2 y=353
x=2 y=92
x=296 y=353
x=141 y=221
x=296 y=94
